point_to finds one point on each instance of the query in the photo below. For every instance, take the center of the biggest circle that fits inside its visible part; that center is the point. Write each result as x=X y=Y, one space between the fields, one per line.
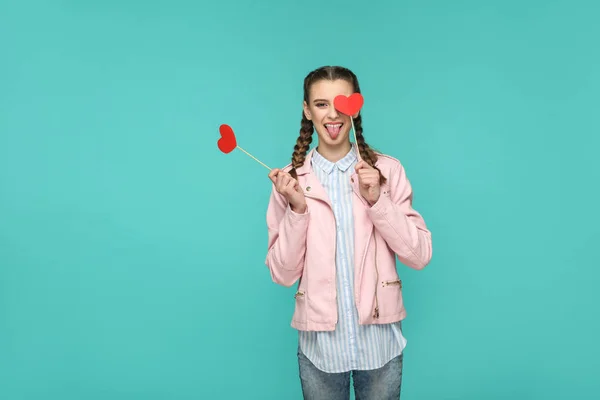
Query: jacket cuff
x=381 y=205
x=296 y=216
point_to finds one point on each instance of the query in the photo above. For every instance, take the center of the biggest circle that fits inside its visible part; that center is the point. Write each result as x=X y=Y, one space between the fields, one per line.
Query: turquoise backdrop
x=132 y=250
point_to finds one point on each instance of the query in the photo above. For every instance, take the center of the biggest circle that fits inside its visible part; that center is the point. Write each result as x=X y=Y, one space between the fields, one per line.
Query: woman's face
x=332 y=127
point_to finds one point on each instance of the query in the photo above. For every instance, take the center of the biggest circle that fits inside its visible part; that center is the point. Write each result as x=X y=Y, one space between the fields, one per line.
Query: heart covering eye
x=349 y=105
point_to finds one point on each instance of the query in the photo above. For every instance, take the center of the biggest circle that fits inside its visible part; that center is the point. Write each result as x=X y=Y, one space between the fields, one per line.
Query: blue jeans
x=379 y=384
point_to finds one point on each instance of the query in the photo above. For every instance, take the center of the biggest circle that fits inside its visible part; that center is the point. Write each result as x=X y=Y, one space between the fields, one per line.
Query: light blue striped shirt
x=351 y=346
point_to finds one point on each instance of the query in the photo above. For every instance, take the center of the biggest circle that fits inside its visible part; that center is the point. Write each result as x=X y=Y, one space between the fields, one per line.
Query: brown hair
x=306 y=126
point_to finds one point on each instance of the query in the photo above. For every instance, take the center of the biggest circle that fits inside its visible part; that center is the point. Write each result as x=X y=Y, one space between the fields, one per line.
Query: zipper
x=326 y=201
x=376 y=311
x=390 y=283
x=299 y=293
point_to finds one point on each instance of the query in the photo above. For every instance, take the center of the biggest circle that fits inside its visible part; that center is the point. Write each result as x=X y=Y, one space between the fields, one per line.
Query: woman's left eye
x=321 y=104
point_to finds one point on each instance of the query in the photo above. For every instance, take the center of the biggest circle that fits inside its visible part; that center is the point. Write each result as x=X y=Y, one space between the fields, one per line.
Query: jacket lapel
x=312 y=187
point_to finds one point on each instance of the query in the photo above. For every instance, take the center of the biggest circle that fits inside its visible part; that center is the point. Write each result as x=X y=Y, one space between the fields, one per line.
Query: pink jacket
x=302 y=247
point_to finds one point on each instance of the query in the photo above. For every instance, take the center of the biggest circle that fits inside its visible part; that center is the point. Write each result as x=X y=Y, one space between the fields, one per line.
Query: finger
x=285 y=180
x=368 y=179
x=367 y=167
x=360 y=165
x=291 y=185
x=279 y=182
x=364 y=173
x=282 y=174
x=273 y=174
x=297 y=187
x=367 y=170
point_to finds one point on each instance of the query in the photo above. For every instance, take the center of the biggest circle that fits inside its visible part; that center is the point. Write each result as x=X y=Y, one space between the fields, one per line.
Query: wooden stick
x=355 y=141
x=256 y=159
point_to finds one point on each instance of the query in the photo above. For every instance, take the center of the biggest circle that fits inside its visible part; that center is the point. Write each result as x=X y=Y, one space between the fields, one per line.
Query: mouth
x=334 y=129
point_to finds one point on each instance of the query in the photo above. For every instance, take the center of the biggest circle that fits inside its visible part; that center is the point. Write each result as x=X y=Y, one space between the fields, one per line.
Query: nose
x=333 y=113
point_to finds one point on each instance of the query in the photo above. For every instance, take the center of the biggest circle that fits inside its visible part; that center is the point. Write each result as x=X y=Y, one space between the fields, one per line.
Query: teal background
x=132 y=250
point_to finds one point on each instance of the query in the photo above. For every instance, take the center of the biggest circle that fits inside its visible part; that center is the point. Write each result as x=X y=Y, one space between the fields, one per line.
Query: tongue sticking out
x=333 y=130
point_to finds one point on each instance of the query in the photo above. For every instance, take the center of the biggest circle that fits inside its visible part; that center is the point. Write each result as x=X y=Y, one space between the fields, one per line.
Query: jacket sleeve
x=287 y=240
x=399 y=224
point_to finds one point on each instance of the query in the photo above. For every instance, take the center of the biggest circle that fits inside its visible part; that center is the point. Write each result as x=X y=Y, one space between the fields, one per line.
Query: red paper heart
x=227 y=142
x=348 y=105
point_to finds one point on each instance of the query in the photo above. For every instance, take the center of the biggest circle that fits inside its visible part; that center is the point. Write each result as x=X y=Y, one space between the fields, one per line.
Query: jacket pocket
x=390 y=297
x=300 y=310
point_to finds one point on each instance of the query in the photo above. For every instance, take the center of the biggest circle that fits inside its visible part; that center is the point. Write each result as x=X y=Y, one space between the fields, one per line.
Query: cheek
x=347 y=121
x=319 y=115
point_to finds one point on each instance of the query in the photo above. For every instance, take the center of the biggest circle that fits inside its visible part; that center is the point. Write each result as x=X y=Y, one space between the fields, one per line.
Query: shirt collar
x=327 y=166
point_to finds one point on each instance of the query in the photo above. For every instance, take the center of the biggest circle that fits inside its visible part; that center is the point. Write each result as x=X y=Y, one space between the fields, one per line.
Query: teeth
x=334 y=125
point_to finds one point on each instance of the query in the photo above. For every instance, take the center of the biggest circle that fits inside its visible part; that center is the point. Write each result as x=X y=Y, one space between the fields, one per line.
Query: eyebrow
x=320 y=101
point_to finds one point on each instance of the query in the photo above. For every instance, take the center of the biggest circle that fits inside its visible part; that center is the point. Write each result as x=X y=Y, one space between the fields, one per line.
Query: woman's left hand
x=368 y=182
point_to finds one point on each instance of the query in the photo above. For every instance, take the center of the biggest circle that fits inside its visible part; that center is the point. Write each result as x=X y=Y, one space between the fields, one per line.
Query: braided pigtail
x=302 y=145
x=366 y=153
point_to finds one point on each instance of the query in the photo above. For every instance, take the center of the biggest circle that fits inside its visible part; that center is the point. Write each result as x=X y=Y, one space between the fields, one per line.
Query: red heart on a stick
x=227 y=142
x=348 y=105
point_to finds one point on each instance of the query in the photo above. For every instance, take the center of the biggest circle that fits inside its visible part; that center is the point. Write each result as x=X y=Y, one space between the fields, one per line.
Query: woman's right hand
x=290 y=189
